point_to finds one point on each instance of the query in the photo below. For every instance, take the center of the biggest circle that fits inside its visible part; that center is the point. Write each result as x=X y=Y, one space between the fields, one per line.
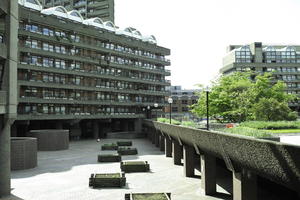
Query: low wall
x=275 y=161
x=23 y=153
x=51 y=139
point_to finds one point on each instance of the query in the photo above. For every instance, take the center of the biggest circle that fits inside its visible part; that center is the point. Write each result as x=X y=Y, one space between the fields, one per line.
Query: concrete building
x=103 y=9
x=182 y=99
x=283 y=61
x=61 y=70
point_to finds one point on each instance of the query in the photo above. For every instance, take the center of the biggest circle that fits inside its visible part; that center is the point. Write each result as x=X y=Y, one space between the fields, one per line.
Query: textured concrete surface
x=64 y=175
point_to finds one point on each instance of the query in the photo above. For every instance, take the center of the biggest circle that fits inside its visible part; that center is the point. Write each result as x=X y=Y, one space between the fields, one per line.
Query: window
x=174 y=109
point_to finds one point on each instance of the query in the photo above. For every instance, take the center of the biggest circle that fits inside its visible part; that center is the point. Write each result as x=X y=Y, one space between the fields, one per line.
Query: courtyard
x=64 y=175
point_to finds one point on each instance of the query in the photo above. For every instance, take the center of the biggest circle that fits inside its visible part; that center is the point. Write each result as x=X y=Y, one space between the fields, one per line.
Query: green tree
x=235 y=98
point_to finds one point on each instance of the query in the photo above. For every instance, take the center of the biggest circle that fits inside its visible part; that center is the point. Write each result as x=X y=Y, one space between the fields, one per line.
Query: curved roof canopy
x=151 y=39
x=269 y=48
x=96 y=22
x=57 y=11
x=108 y=25
x=75 y=15
x=289 y=48
x=32 y=4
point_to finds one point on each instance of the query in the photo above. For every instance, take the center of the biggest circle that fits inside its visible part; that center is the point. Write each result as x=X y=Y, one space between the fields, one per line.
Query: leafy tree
x=237 y=98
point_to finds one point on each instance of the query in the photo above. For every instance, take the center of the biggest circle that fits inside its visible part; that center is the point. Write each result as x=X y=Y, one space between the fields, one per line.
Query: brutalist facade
x=283 y=61
x=59 y=69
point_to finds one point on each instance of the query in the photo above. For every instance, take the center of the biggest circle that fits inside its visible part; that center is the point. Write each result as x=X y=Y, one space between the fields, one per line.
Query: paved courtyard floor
x=64 y=175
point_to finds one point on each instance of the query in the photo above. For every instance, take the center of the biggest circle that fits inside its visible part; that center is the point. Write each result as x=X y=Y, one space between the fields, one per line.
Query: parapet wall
x=275 y=161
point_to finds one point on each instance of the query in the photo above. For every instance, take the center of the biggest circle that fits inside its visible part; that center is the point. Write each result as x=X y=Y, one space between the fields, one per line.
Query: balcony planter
x=111 y=146
x=134 y=166
x=274 y=138
x=109 y=158
x=148 y=196
x=124 y=143
x=107 y=180
x=127 y=151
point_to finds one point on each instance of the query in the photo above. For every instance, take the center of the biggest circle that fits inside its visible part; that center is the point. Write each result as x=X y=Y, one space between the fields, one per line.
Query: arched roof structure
x=75 y=16
x=32 y=4
x=150 y=39
x=96 y=22
x=57 y=11
x=108 y=25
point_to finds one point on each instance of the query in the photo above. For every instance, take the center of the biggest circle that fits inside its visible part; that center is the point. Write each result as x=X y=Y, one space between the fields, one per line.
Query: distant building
x=283 y=61
x=182 y=99
x=103 y=9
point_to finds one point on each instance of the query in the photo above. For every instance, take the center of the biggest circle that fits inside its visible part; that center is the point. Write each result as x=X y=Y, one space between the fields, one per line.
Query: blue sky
x=198 y=31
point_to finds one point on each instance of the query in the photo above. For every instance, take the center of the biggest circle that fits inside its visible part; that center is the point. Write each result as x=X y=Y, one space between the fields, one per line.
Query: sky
x=198 y=31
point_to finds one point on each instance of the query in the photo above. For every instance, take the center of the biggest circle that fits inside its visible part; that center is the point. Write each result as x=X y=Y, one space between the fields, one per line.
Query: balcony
x=76 y=116
x=3 y=102
x=97 y=4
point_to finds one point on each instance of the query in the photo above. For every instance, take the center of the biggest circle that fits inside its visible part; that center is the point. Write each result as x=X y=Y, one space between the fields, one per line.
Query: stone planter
x=109 y=158
x=124 y=143
x=51 y=139
x=148 y=196
x=135 y=166
x=127 y=151
x=111 y=146
x=23 y=153
x=107 y=180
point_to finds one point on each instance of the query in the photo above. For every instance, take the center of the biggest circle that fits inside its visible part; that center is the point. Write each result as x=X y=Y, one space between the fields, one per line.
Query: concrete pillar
x=177 y=152
x=162 y=143
x=188 y=160
x=138 y=125
x=244 y=185
x=10 y=85
x=208 y=174
x=153 y=136
x=95 y=130
x=168 y=147
x=156 y=138
x=59 y=125
x=5 y=127
x=13 y=130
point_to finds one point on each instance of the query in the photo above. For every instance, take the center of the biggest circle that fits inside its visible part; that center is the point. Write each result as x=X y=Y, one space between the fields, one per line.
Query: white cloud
x=198 y=31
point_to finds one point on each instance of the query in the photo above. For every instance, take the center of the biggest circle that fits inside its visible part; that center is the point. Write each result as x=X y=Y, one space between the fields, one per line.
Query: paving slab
x=64 y=175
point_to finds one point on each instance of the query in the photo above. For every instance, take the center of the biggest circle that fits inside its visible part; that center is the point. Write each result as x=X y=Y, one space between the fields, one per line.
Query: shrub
x=271 y=124
x=189 y=124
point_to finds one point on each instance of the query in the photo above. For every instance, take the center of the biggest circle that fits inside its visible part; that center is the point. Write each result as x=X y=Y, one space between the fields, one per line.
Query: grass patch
x=271 y=125
x=247 y=132
x=167 y=121
x=284 y=131
x=149 y=197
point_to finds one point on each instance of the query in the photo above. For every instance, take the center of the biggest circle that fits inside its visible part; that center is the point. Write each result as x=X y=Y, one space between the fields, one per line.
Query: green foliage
x=189 y=124
x=235 y=98
x=272 y=109
x=271 y=125
x=166 y=120
x=247 y=132
x=282 y=131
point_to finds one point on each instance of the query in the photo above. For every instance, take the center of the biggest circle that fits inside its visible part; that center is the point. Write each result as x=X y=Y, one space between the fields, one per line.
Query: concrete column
x=162 y=143
x=244 y=185
x=4 y=157
x=156 y=139
x=95 y=130
x=188 y=160
x=138 y=126
x=208 y=174
x=153 y=136
x=168 y=147
x=177 y=152
x=13 y=130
